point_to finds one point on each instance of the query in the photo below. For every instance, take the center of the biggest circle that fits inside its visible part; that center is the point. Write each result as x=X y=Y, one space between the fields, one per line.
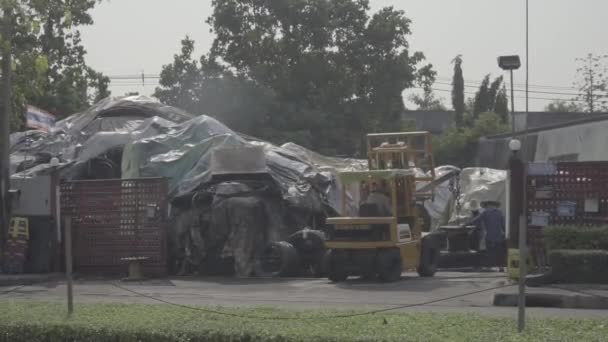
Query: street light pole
x=510 y=63
x=512 y=105
x=523 y=227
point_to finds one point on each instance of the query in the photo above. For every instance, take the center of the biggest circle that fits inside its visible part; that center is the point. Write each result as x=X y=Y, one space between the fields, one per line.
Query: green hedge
x=571 y=237
x=22 y=321
x=579 y=266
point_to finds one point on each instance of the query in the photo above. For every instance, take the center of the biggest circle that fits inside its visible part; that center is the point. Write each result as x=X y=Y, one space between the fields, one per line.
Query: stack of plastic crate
x=16 y=245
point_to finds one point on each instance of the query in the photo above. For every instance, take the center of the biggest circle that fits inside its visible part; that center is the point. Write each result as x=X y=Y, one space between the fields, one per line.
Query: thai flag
x=39 y=119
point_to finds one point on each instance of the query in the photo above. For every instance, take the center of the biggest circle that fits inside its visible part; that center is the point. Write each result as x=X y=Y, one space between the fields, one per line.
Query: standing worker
x=492 y=222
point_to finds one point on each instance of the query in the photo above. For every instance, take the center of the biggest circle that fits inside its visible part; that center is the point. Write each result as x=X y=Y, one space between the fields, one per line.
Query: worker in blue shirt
x=492 y=222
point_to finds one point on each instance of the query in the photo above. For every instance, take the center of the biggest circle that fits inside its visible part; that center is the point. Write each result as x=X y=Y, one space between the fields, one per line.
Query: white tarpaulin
x=478 y=184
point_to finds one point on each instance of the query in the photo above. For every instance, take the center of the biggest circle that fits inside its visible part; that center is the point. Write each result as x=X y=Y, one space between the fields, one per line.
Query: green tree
x=482 y=97
x=458 y=146
x=561 y=106
x=427 y=101
x=324 y=59
x=501 y=104
x=49 y=67
x=491 y=97
x=180 y=81
x=458 y=92
x=592 y=82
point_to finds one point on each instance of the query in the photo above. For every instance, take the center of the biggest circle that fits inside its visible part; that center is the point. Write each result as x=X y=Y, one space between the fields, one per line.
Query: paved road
x=303 y=294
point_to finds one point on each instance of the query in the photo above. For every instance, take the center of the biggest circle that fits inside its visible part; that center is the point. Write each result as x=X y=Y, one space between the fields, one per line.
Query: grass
x=35 y=321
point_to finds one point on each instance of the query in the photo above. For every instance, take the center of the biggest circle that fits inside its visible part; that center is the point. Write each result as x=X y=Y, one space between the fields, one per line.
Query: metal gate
x=564 y=194
x=117 y=219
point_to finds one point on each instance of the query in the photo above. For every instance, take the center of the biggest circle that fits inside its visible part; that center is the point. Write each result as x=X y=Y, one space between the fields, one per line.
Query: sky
x=134 y=36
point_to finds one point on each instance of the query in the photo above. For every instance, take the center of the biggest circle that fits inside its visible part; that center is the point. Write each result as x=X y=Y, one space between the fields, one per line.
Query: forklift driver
x=380 y=199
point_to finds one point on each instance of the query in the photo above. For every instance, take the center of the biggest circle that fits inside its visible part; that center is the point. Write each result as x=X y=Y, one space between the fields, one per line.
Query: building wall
x=580 y=141
x=587 y=142
x=437 y=122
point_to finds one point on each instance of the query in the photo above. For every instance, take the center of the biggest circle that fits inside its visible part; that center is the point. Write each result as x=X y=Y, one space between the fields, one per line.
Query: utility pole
x=591 y=105
x=512 y=106
x=5 y=121
x=68 y=263
x=523 y=221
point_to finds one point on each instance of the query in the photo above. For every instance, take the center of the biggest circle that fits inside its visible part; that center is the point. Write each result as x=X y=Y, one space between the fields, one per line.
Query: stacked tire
x=278 y=259
x=300 y=255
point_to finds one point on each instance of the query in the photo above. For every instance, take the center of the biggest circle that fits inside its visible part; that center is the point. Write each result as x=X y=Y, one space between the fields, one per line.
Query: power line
x=520 y=97
x=446 y=79
x=442 y=79
x=531 y=91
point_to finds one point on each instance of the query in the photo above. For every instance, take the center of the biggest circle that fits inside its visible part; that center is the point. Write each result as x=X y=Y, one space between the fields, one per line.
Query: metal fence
x=117 y=219
x=565 y=194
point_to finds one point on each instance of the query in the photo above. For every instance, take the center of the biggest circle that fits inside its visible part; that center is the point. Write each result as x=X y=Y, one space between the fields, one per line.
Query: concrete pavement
x=353 y=294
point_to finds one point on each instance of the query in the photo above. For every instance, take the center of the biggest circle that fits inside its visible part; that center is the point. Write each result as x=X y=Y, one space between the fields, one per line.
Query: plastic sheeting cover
x=479 y=185
x=111 y=122
x=440 y=208
x=184 y=155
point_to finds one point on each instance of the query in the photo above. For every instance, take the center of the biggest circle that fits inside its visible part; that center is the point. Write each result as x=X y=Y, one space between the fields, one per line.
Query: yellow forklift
x=381 y=235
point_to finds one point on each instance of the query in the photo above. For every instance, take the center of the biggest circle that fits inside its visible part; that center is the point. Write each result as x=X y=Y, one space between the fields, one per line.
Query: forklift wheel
x=332 y=267
x=389 y=265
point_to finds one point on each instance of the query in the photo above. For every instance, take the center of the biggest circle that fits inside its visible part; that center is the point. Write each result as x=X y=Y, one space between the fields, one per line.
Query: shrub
x=570 y=237
x=27 y=321
x=579 y=266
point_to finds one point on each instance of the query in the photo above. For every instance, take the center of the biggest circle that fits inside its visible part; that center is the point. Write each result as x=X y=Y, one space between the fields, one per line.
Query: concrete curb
x=552 y=300
x=28 y=279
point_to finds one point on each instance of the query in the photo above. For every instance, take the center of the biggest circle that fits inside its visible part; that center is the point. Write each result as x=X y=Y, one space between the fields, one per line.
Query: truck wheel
x=278 y=259
x=335 y=272
x=428 y=261
x=389 y=265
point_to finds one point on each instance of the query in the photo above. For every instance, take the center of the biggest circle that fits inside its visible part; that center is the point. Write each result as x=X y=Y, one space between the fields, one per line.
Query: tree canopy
x=49 y=60
x=427 y=101
x=561 y=106
x=321 y=73
x=484 y=114
x=592 y=82
x=458 y=102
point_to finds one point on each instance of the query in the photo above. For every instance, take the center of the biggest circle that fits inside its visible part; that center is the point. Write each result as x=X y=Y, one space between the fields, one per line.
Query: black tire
x=278 y=259
x=332 y=267
x=428 y=260
x=310 y=245
x=389 y=265
x=307 y=240
x=424 y=216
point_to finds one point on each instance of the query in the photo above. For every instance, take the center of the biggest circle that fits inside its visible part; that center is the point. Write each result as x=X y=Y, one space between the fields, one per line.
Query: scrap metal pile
x=219 y=223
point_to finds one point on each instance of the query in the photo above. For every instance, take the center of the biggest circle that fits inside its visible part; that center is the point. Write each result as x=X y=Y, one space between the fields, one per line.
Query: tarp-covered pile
x=218 y=224
x=138 y=137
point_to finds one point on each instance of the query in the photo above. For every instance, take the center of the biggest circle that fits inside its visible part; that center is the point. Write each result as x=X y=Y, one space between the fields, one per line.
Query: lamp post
x=510 y=63
x=517 y=218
